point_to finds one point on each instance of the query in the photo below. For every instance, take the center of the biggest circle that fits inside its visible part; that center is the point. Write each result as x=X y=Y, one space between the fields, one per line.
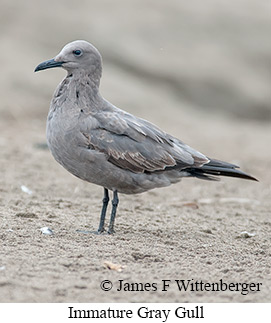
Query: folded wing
x=137 y=145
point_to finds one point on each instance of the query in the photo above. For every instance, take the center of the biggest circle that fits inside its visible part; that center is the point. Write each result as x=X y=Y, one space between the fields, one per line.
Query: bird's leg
x=115 y=203
x=103 y=213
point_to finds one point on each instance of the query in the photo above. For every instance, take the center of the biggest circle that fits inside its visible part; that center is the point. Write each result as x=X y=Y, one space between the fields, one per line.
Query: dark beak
x=48 y=64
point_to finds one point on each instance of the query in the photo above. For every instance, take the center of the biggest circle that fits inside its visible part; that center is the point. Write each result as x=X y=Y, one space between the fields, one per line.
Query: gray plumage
x=101 y=144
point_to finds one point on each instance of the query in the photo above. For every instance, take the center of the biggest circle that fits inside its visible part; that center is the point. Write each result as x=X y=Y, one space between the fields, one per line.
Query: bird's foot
x=103 y=231
x=110 y=231
x=100 y=231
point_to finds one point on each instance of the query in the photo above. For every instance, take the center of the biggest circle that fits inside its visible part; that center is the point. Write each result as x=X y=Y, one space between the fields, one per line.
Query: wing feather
x=137 y=145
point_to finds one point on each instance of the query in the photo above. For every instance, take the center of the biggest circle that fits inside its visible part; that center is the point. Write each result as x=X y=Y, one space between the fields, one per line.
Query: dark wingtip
x=245 y=176
x=227 y=169
x=253 y=178
x=219 y=168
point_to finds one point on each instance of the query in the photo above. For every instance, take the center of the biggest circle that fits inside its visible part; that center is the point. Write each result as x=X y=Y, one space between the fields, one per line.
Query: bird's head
x=78 y=55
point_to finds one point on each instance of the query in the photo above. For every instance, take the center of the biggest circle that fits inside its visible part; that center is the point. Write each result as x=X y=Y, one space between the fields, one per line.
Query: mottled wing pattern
x=137 y=145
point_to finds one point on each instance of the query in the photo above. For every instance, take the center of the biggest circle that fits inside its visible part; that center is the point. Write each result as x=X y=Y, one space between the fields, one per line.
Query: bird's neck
x=78 y=89
x=90 y=78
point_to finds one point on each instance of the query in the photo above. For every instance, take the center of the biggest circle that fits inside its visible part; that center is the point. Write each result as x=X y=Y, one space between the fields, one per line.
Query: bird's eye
x=77 y=52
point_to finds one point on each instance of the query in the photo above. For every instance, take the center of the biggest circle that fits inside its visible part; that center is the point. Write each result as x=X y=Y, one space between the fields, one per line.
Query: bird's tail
x=215 y=168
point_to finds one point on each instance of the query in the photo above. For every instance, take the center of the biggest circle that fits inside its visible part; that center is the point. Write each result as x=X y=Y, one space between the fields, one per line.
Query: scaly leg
x=115 y=203
x=103 y=213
